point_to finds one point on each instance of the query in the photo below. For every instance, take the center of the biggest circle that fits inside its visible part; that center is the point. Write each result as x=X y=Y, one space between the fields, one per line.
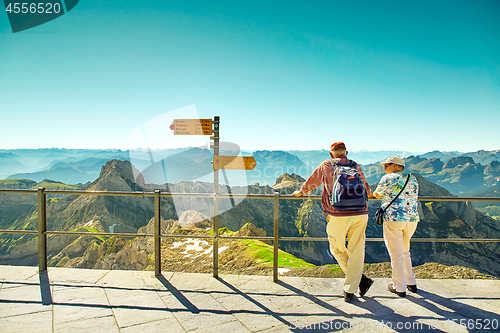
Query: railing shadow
x=260 y=305
x=45 y=290
x=381 y=317
x=180 y=297
x=475 y=317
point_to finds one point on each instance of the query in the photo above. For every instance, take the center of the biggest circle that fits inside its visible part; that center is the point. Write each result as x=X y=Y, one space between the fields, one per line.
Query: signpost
x=234 y=162
x=191 y=126
x=204 y=127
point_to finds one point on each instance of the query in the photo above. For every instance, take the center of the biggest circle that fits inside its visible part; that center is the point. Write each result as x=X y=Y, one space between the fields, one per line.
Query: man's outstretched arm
x=314 y=181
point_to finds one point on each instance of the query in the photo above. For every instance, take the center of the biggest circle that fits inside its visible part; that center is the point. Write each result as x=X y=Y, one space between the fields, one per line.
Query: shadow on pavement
x=45 y=288
x=180 y=297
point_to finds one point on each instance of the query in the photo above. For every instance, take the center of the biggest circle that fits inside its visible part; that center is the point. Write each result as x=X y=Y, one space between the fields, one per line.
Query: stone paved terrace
x=81 y=300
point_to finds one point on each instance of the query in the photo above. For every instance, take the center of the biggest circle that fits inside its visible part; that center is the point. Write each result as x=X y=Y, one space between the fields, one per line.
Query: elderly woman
x=400 y=222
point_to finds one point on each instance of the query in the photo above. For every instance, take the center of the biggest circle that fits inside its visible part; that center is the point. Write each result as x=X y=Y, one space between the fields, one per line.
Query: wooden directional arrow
x=191 y=126
x=234 y=162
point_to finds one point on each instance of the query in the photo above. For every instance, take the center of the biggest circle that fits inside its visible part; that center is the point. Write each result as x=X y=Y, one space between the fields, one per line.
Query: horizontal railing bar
x=420 y=198
x=322 y=239
x=225 y=237
x=18 y=191
x=18 y=231
x=457 y=240
x=212 y=195
x=304 y=239
x=458 y=199
x=96 y=234
x=248 y=237
x=101 y=193
x=451 y=240
x=186 y=236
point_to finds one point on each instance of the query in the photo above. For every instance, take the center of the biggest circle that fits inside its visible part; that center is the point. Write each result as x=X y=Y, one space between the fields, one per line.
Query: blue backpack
x=348 y=191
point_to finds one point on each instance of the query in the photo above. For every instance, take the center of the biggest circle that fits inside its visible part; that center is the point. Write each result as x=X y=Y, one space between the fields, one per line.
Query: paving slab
x=76 y=275
x=233 y=326
x=197 y=310
x=133 y=279
x=79 y=302
x=258 y=322
x=17 y=273
x=133 y=307
x=163 y=325
x=323 y=286
x=279 y=328
x=93 y=325
x=21 y=299
x=223 y=285
x=40 y=322
x=82 y=300
x=263 y=284
x=188 y=281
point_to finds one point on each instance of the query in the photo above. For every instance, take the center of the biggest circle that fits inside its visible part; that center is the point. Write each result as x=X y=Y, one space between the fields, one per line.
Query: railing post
x=157 y=233
x=216 y=200
x=216 y=239
x=42 y=228
x=276 y=234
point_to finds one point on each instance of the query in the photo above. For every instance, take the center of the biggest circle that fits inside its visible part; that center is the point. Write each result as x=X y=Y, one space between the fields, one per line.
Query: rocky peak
x=457 y=161
x=289 y=177
x=189 y=217
x=117 y=175
x=288 y=180
x=493 y=167
x=250 y=229
x=414 y=159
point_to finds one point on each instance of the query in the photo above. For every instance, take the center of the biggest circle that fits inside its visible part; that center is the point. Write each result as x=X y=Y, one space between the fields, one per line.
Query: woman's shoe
x=348 y=297
x=412 y=288
x=393 y=290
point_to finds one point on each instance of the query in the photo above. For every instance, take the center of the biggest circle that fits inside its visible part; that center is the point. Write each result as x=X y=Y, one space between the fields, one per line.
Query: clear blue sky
x=378 y=75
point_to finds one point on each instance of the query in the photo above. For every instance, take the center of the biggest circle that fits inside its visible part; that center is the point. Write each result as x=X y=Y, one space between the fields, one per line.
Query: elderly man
x=400 y=222
x=343 y=221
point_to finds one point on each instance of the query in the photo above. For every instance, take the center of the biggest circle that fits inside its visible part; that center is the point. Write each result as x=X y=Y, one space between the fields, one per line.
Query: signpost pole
x=216 y=200
x=204 y=127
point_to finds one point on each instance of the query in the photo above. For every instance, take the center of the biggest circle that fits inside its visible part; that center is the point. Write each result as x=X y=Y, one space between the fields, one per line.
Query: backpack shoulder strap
x=335 y=169
x=334 y=164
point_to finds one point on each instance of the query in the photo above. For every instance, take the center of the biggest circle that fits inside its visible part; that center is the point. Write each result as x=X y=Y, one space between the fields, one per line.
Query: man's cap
x=337 y=146
x=394 y=160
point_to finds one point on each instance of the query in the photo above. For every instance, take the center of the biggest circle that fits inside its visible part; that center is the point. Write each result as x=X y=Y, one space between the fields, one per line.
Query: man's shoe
x=348 y=297
x=393 y=290
x=412 y=288
x=364 y=285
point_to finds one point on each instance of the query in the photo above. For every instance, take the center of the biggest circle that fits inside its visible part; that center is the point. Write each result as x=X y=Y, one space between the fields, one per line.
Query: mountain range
x=465 y=174
x=300 y=218
x=72 y=166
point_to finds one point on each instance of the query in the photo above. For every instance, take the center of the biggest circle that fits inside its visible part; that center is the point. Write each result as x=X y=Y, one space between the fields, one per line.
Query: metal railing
x=43 y=232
